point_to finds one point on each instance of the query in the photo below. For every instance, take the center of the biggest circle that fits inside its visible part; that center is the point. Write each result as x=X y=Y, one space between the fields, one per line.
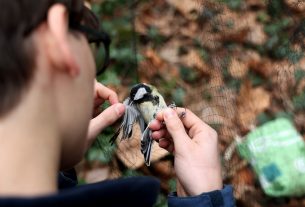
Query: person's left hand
x=101 y=120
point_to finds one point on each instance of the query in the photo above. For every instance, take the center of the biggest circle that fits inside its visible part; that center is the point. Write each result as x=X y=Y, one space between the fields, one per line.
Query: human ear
x=59 y=50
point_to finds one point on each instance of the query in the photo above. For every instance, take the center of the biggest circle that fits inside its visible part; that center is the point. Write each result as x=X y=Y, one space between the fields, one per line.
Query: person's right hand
x=195 y=146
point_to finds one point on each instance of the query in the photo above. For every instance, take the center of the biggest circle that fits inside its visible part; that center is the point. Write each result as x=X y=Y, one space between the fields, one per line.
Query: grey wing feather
x=146 y=145
x=130 y=117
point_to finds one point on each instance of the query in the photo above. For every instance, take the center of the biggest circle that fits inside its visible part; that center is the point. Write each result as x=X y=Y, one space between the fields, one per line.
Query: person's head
x=42 y=49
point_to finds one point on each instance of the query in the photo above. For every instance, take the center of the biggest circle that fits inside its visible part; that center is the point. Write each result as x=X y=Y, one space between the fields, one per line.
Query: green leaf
x=299 y=74
x=161 y=201
x=263 y=118
x=299 y=101
x=109 y=77
x=188 y=74
x=178 y=96
x=101 y=149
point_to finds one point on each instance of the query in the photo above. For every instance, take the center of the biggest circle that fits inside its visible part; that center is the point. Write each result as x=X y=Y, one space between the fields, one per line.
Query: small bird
x=142 y=105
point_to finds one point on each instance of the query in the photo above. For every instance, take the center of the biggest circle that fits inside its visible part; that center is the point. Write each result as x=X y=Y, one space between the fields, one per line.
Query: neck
x=29 y=147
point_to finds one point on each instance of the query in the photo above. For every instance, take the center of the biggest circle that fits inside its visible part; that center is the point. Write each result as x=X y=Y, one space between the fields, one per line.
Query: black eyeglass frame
x=97 y=37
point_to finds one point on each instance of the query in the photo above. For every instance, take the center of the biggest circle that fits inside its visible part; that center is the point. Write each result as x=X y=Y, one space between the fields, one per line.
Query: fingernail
x=119 y=109
x=168 y=113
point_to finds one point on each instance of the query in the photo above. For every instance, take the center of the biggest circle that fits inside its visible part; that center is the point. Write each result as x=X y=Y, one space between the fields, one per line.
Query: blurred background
x=237 y=64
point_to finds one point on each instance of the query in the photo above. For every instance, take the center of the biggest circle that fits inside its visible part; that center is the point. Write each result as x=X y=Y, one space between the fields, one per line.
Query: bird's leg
x=182 y=114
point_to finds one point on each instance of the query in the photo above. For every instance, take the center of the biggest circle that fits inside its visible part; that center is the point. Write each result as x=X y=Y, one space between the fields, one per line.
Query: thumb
x=176 y=129
x=105 y=119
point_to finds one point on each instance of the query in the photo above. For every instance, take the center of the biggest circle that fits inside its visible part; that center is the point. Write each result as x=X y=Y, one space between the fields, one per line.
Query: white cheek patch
x=140 y=94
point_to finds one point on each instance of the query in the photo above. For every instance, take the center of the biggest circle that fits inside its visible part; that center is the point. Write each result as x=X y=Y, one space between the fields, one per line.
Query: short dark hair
x=17 y=20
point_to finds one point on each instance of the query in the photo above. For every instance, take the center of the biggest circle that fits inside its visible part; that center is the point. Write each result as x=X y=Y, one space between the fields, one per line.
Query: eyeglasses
x=96 y=37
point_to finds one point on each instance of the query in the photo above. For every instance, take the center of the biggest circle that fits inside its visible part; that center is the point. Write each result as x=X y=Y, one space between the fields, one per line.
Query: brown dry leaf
x=256 y=34
x=151 y=65
x=245 y=177
x=189 y=8
x=256 y=3
x=301 y=87
x=301 y=63
x=169 y=52
x=238 y=69
x=154 y=65
x=191 y=30
x=284 y=77
x=97 y=174
x=129 y=151
x=155 y=60
x=164 y=168
x=163 y=20
x=194 y=60
x=265 y=68
x=243 y=27
x=251 y=102
x=298 y=5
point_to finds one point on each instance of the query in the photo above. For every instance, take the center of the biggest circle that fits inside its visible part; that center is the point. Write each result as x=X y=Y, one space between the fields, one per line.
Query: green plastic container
x=276 y=152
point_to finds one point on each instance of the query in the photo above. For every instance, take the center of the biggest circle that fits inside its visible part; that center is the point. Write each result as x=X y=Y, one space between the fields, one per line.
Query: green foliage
x=109 y=77
x=275 y=7
x=262 y=17
x=155 y=36
x=102 y=150
x=178 y=96
x=299 y=101
x=299 y=74
x=131 y=173
x=119 y=25
x=188 y=74
x=233 y=4
x=255 y=79
x=278 y=43
x=263 y=118
x=283 y=114
x=161 y=201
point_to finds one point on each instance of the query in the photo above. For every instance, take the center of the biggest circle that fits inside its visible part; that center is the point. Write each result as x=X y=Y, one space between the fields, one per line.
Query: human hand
x=194 y=144
x=101 y=120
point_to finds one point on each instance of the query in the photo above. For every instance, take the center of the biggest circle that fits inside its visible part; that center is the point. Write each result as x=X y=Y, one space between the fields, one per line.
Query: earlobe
x=58 y=23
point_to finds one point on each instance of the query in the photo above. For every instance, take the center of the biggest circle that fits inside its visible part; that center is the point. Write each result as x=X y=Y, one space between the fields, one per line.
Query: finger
x=162 y=133
x=96 y=112
x=176 y=129
x=105 y=93
x=167 y=145
x=190 y=121
x=156 y=125
x=106 y=118
x=98 y=102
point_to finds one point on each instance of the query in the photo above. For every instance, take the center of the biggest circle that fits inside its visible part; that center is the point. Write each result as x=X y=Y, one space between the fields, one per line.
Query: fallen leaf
x=189 y=8
x=193 y=60
x=297 y=5
x=238 y=69
x=251 y=102
x=164 y=168
x=129 y=151
x=241 y=27
x=97 y=174
x=244 y=177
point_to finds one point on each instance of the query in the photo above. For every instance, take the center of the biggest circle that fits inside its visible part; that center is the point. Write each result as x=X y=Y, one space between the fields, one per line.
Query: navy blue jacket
x=127 y=192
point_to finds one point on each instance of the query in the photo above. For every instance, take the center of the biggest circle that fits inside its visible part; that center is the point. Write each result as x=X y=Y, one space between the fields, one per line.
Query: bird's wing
x=130 y=117
x=146 y=145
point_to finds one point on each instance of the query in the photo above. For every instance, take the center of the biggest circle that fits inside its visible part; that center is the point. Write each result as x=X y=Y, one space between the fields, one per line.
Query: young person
x=48 y=92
